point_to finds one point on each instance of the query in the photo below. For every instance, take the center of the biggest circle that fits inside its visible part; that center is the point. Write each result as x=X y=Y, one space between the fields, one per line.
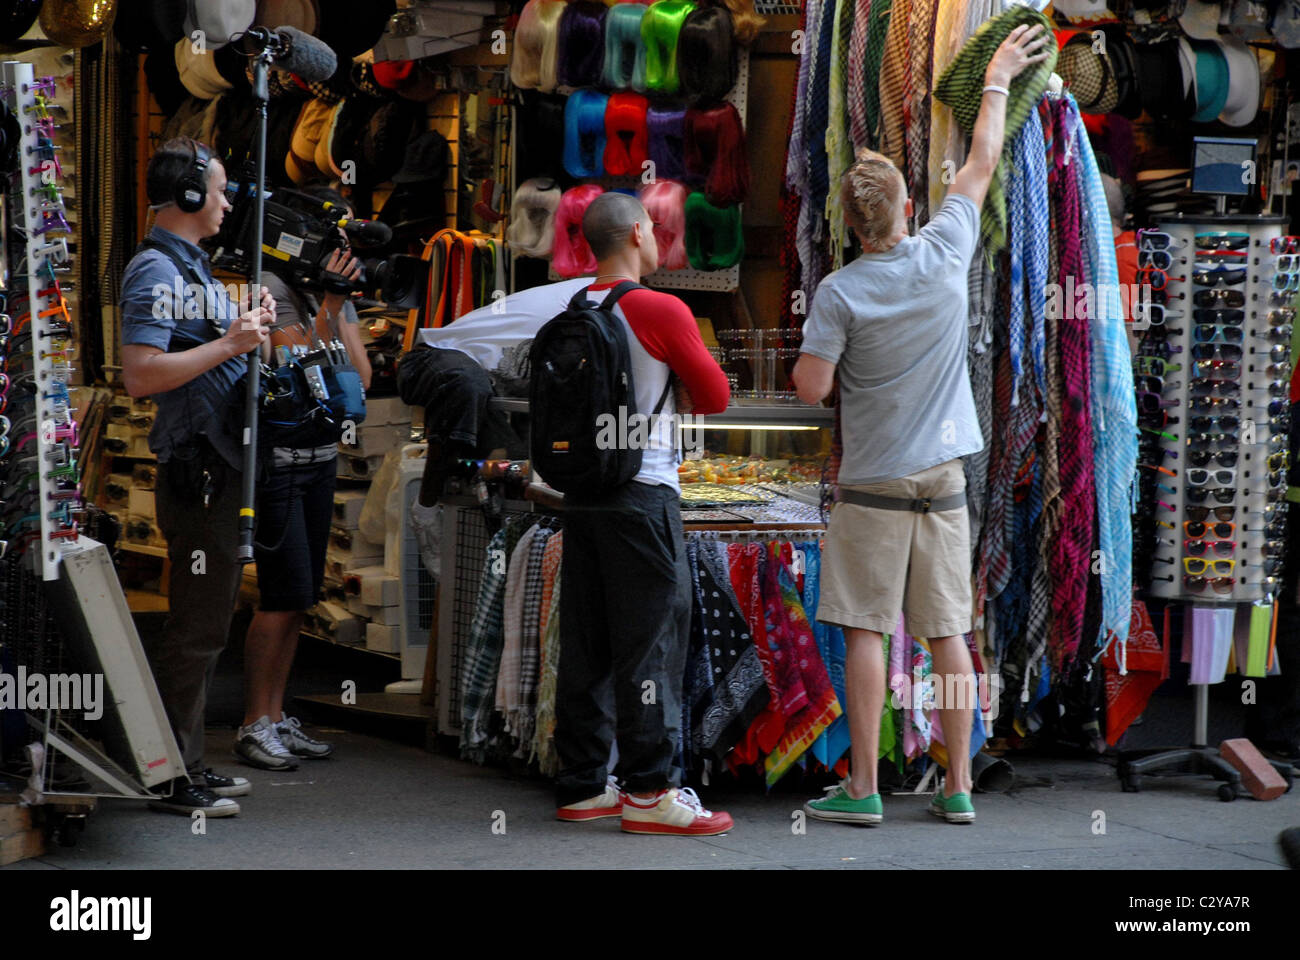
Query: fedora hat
x=218 y=20
x=1200 y=19
x=302 y=14
x=1211 y=80
x=307 y=133
x=1243 y=83
x=198 y=71
x=1122 y=54
x=1091 y=76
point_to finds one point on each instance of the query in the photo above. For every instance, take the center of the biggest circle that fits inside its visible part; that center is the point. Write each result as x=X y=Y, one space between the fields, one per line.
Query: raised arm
x=1022 y=48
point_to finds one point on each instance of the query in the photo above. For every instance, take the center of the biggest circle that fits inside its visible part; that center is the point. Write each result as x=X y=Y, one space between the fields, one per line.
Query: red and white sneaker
x=676 y=812
x=607 y=804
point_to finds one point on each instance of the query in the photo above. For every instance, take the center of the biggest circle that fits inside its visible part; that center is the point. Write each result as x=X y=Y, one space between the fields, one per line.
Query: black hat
x=353 y=28
x=149 y=24
x=16 y=18
x=1123 y=57
x=383 y=147
x=164 y=80
x=231 y=64
x=426 y=159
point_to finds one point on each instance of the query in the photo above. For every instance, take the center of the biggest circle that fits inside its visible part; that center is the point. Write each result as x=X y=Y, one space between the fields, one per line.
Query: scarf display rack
x=466 y=271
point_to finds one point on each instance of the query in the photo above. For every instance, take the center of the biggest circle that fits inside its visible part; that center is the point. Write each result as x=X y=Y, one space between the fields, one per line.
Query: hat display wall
x=1243 y=83
x=218 y=20
x=77 y=23
x=302 y=14
x=1211 y=80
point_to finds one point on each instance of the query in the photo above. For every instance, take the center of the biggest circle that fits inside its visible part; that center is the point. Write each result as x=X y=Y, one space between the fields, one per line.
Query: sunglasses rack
x=1214 y=316
x=40 y=469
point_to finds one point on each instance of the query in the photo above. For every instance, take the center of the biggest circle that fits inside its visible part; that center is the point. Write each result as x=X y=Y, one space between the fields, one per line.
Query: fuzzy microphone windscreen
x=626 y=147
x=572 y=256
x=715 y=153
x=582 y=43
x=532 y=217
x=706 y=55
x=584 y=133
x=666 y=129
x=665 y=201
x=624 y=48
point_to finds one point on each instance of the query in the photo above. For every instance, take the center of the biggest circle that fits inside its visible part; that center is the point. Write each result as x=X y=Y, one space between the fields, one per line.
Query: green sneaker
x=838 y=805
x=954 y=809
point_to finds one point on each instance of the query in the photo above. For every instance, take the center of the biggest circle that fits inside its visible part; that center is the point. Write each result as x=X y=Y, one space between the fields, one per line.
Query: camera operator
x=295 y=503
x=187 y=353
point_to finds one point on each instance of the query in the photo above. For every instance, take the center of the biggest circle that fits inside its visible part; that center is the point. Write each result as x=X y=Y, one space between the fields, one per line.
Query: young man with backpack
x=625 y=586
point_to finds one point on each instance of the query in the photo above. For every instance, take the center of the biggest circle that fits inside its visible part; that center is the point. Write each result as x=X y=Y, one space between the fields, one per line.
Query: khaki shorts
x=879 y=563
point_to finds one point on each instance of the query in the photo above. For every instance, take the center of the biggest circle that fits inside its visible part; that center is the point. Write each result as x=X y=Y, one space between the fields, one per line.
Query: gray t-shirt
x=895 y=323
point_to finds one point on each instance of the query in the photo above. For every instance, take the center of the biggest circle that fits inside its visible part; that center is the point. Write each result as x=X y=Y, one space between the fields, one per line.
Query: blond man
x=892 y=324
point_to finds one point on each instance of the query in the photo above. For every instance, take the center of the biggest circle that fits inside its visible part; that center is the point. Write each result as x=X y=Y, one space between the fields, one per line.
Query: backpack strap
x=580 y=302
x=186 y=271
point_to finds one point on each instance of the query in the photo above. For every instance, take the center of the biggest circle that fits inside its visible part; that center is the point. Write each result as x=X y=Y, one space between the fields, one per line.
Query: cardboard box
x=347 y=508
x=381 y=410
x=358 y=468
x=358 y=608
x=374 y=585
x=144 y=476
x=383 y=637
x=117 y=489
x=334 y=621
x=141 y=503
x=389 y=616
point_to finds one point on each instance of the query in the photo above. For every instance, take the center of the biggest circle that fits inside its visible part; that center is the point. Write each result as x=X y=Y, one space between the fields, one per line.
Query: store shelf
x=351 y=646
x=143 y=548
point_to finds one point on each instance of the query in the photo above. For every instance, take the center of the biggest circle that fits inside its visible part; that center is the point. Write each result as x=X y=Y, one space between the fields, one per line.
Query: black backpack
x=581 y=372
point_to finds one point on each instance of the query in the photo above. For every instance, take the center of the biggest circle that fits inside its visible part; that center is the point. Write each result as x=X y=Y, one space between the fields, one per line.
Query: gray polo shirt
x=153 y=315
x=895 y=324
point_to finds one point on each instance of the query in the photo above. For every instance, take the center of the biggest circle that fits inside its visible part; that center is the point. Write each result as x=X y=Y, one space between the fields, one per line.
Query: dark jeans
x=624 y=620
x=201 y=594
x=294 y=508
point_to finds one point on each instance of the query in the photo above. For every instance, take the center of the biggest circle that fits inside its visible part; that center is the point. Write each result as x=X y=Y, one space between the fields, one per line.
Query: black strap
x=920 y=505
x=188 y=272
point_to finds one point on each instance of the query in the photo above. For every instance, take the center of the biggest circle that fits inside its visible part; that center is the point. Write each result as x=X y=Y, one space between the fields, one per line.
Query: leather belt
x=920 y=505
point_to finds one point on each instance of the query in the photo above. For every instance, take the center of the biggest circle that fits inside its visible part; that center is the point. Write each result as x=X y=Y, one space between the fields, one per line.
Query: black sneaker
x=187 y=797
x=226 y=786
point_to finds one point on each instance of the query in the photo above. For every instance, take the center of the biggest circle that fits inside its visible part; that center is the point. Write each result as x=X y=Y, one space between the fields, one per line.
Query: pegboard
x=715 y=281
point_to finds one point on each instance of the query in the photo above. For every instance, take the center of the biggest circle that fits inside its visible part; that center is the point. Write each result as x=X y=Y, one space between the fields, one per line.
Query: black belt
x=921 y=505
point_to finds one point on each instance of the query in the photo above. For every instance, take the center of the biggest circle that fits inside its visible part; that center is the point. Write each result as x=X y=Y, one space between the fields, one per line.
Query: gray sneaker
x=258 y=746
x=289 y=730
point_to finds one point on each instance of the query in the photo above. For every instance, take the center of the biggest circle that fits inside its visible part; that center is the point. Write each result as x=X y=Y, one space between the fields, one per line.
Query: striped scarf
x=856 y=92
x=839 y=144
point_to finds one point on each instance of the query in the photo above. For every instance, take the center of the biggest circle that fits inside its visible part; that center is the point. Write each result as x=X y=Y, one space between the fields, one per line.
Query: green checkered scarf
x=961 y=87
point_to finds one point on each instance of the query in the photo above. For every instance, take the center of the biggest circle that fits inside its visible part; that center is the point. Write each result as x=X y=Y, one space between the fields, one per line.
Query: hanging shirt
x=895 y=323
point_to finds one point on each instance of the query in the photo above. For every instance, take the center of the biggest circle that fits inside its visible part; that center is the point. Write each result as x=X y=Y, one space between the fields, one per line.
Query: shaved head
x=608 y=222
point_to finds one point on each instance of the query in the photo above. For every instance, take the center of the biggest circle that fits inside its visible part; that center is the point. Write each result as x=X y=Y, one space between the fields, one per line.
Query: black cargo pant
x=202 y=546
x=624 y=627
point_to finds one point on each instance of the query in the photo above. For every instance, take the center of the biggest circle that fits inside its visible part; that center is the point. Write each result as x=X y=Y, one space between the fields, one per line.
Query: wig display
x=532 y=218
x=665 y=201
x=533 y=60
x=584 y=133
x=745 y=20
x=714 y=239
x=572 y=256
x=624 y=48
x=706 y=55
x=660 y=28
x=626 y=138
x=715 y=153
x=666 y=133
x=582 y=43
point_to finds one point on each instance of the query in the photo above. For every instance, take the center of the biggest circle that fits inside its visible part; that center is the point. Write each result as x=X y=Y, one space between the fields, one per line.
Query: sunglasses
x=1221 y=585
x=1216 y=369
x=1210 y=275
x=1160 y=259
x=1217 y=351
x=1158 y=240
x=1223 y=317
x=1200 y=548
x=1281 y=315
x=1279 y=461
x=1201 y=458
x=1153 y=402
x=1197 y=566
x=1203 y=514
x=1200 y=530
x=1219 y=298
x=1221 y=494
x=1211 y=404
x=1155 y=278
x=1280 y=334
x=1284 y=245
x=1286 y=282
x=1154 y=314
x=1208 y=332
x=1202 y=389
x=1148 y=384
x=1223 y=241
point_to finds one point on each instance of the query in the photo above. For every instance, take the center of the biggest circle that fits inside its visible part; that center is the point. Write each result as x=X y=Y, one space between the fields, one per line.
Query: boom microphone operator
x=294 y=52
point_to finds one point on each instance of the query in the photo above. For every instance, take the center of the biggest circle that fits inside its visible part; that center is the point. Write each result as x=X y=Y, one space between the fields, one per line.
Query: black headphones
x=190 y=192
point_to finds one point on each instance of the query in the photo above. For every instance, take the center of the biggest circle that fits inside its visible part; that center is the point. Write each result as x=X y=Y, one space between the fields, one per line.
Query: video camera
x=301 y=232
